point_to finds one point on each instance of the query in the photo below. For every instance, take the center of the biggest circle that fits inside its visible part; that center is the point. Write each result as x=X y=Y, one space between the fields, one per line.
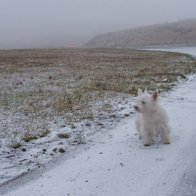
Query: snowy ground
x=116 y=163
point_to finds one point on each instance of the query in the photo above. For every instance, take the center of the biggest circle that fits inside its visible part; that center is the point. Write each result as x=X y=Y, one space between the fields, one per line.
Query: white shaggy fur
x=151 y=118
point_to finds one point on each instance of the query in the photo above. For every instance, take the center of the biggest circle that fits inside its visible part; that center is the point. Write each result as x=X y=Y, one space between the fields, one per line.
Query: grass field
x=36 y=86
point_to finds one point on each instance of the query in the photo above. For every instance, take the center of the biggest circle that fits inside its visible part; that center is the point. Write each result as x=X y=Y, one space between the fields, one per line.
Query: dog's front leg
x=147 y=138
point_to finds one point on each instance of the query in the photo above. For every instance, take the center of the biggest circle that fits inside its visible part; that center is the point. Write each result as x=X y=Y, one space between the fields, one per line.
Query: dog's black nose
x=135 y=107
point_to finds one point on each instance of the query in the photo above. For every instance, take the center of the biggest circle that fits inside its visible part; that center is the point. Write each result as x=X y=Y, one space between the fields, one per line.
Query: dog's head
x=146 y=102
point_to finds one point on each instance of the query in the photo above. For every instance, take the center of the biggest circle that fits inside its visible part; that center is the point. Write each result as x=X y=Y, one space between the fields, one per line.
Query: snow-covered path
x=119 y=165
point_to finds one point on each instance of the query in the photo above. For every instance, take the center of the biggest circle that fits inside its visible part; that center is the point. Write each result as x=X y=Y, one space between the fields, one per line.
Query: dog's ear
x=155 y=95
x=139 y=92
x=146 y=92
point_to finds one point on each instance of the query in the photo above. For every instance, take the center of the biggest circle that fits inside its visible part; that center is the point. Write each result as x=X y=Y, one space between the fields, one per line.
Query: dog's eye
x=143 y=102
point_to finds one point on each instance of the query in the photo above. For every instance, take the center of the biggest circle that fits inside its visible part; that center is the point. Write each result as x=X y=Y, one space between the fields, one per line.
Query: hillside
x=182 y=33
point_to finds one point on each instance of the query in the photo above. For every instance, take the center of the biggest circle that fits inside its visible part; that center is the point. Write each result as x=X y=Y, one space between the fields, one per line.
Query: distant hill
x=182 y=33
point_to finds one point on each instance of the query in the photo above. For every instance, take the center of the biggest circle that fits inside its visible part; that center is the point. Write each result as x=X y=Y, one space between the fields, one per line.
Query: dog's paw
x=146 y=144
x=166 y=142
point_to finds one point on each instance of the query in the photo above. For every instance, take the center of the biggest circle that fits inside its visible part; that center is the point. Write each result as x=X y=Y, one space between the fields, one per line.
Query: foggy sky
x=62 y=23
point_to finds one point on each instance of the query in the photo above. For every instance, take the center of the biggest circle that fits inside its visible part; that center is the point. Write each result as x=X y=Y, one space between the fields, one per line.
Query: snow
x=116 y=162
x=188 y=50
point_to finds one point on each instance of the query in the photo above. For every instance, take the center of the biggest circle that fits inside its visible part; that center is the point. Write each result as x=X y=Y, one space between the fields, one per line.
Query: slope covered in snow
x=181 y=33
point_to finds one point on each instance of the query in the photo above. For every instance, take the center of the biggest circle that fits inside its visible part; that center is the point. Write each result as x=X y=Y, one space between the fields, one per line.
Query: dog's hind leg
x=165 y=136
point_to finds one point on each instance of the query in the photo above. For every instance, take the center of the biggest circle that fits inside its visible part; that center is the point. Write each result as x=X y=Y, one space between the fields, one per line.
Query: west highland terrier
x=151 y=118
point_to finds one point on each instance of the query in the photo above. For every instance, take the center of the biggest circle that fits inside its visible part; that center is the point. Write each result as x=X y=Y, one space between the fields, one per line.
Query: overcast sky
x=61 y=23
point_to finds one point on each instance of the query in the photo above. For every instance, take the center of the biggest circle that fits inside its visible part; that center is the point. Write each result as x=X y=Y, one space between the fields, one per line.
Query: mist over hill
x=181 y=33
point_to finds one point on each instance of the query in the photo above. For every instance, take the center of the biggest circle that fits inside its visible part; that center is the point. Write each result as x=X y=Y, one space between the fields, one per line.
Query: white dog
x=151 y=118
